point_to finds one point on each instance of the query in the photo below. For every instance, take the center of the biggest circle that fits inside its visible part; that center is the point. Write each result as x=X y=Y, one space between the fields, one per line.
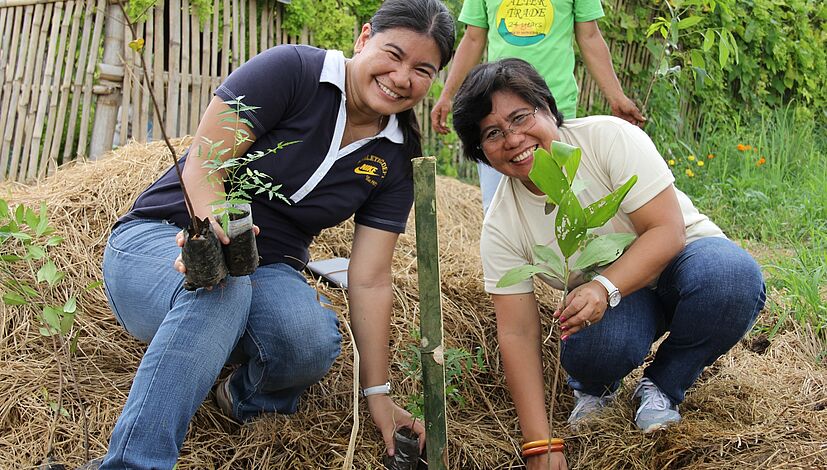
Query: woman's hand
x=388 y=417
x=541 y=462
x=584 y=306
x=181 y=237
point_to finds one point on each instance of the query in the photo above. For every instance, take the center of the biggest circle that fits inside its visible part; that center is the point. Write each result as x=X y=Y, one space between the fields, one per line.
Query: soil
x=203 y=257
x=241 y=255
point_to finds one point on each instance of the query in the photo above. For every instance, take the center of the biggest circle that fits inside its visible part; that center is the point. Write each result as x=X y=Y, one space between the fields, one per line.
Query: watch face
x=614 y=299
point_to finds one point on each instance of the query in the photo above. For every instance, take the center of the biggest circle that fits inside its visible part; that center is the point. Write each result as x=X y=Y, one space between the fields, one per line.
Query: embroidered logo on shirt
x=524 y=22
x=374 y=168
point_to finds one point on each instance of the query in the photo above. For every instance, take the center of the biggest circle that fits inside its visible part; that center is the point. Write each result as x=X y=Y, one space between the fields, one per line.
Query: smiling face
x=391 y=71
x=513 y=153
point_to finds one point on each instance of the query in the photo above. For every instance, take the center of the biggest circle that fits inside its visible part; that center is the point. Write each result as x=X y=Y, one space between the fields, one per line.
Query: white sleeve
x=499 y=255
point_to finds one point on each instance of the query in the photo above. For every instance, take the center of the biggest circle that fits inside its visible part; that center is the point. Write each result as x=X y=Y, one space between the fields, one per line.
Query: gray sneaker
x=586 y=405
x=656 y=410
x=224 y=398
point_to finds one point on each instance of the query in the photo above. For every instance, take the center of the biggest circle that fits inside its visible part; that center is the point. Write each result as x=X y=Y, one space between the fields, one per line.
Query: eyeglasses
x=521 y=123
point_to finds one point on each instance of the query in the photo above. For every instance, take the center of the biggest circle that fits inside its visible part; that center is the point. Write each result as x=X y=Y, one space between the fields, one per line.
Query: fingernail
x=564 y=337
x=562 y=319
x=564 y=328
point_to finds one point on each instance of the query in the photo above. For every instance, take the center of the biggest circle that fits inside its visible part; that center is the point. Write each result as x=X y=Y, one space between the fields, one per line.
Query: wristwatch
x=614 y=292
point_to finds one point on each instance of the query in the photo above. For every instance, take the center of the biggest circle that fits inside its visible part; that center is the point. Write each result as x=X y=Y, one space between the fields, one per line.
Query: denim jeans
x=271 y=320
x=707 y=298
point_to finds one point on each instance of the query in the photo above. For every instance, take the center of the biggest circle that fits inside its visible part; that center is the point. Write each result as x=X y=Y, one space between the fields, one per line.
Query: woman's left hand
x=388 y=417
x=584 y=306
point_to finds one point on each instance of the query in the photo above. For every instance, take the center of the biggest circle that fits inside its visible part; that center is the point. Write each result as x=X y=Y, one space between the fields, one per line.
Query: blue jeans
x=272 y=321
x=707 y=298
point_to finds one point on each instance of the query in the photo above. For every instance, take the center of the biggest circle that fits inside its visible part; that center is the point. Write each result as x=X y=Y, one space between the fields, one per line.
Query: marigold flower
x=741 y=147
x=710 y=156
x=748 y=147
x=690 y=173
x=700 y=163
x=761 y=161
x=691 y=158
x=671 y=162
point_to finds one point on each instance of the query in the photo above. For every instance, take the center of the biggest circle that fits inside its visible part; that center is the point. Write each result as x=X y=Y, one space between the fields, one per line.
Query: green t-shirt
x=539 y=32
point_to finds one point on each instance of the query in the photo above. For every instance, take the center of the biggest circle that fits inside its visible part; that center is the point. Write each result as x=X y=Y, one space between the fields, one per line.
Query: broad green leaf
x=570 y=224
x=567 y=157
x=734 y=45
x=43 y=222
x=49 y=273
x=673 y=30
x=548 y=176
x=10 y=258
x=4 y=209
x=20 y=214
x=603 y=250
x=51 y=317
x=54 y=241
x=35 y=252
x=46 y=331
x=599 y=212
x=66 y=323
x=13 y=298
x=73 y=345
x=723 y=51
x=22 y=236
x=550 y=258
x=522 y=273
x=709 y=40
x=689 y=22
x=70 y=306
x=697 y=58
x=32 y=220
x=26 y=289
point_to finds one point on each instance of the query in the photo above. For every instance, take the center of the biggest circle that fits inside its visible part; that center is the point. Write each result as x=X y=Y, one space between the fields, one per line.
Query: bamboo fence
x=71 y=87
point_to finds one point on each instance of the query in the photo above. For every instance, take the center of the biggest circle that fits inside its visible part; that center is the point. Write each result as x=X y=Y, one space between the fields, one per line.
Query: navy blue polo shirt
x=299 y=91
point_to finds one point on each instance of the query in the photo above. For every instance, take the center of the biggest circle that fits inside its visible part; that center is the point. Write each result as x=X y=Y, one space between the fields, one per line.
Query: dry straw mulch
x=765 y=409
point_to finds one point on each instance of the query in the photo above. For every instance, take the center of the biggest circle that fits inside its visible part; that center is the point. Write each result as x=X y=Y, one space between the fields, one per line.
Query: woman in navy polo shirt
x=355 y=133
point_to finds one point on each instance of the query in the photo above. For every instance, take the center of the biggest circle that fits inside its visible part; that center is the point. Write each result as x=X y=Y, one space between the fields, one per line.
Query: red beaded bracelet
x=543 y=442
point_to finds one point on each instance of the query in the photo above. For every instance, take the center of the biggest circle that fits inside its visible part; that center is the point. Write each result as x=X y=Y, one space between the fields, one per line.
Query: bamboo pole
x=184 y=97
x=5 y=13
x=141 y=89
x=430 y=311
x=66 y=84
x=25 y=3
x=91 y=65
x=106 y=108
x=34 y=18
x=174 y=69
x=158 y=72
x=77 y=83
x=48 y=164
x=6 y=108
x=197 y=79
x=236 y=37
x=252 y=36
x=127 y=117
x=42 y=103
x=225 y=43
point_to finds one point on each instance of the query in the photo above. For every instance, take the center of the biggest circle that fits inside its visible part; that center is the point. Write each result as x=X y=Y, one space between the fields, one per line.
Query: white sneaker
x=586 y=405
x=656 y=410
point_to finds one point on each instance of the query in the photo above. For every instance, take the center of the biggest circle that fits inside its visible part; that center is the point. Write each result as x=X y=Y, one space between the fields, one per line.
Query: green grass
x=779 y=205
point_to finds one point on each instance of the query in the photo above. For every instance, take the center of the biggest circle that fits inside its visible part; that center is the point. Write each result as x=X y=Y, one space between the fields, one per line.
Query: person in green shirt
x=539 y=32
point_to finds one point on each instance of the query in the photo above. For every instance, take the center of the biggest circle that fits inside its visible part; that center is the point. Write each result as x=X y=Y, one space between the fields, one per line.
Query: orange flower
x=741 y=147
x=748 y=147
x=761 y=161
x=710 y=156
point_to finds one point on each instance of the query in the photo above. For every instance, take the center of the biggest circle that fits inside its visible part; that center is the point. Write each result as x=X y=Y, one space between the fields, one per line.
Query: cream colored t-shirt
x=612 y=151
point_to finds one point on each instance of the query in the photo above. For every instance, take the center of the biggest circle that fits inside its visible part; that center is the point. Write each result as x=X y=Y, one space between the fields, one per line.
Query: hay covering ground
x=765 y=409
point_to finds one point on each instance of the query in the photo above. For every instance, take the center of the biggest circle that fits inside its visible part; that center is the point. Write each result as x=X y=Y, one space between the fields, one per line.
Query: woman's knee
x=602 y=361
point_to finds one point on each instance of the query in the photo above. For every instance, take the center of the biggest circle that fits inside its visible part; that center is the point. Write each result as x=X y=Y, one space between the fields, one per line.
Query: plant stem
x=195 y=222
x=80 y=399
x=561 y=305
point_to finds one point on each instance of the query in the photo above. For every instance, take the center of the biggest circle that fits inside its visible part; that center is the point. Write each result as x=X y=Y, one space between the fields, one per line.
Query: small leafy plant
x=458 y=361
x=554 y=173
x=228 y=172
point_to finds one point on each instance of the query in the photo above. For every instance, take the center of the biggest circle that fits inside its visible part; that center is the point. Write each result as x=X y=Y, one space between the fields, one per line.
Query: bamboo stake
x=66 y=84
x=34 y=17
x=127 y=115
x=252 y=36
x=265 y=35
x=225 y=43
x=204 y=84
x=6 y=108
x=48 y=164
x=430 y=310
x=184 y=103
x=142 y=92
x=91 y=65
x=78 y=81
x=195 y=75
x=214 y=39
x=158 y=72
x=236 y=37
x=4 y=45
x=42 y=103
x=173 y=84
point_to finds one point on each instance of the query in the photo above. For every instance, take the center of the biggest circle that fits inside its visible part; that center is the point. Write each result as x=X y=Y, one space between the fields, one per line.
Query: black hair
x=473 y=100
x=428 y=17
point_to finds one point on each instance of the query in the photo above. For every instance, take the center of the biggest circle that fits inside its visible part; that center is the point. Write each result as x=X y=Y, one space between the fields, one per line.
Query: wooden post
x=109 y=87
x=430 y=311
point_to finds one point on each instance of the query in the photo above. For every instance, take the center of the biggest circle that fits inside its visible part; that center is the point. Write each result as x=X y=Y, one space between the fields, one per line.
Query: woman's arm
x=211 y=130
x=371 y=300
x=661 y=236
x=519 y=337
